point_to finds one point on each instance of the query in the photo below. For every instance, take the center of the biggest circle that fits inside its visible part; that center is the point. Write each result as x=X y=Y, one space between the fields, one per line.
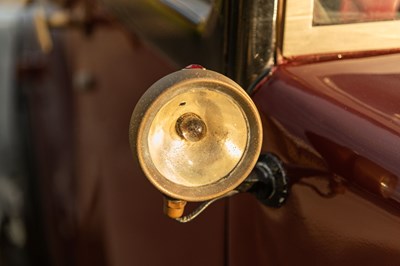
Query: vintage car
x=281 y=117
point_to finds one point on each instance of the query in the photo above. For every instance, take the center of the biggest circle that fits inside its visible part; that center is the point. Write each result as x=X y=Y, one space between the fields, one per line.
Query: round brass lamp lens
x=197 y=134
x=200 y=142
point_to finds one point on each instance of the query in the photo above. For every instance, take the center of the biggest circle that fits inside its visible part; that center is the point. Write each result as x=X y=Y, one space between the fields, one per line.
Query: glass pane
x=330 y=12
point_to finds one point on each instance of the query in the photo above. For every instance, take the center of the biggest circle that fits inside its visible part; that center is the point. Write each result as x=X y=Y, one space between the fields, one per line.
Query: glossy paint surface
x=336 y=125
x=348 y=113
x=119 y=213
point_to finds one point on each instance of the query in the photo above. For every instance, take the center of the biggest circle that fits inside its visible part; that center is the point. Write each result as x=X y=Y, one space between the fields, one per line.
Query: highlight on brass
x=197 y=136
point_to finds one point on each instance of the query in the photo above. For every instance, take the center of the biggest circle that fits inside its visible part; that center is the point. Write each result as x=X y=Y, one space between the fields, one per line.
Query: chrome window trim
x=302 y=38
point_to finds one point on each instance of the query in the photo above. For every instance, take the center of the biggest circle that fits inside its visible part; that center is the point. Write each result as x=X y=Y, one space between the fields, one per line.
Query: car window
x=331 y=12
x=314 y=27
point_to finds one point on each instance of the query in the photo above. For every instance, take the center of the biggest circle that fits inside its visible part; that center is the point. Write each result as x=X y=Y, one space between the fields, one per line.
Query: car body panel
x=120 y=219
x=334 y=124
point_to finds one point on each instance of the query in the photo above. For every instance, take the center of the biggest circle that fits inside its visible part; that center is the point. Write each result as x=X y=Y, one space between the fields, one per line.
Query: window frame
x=302 y=38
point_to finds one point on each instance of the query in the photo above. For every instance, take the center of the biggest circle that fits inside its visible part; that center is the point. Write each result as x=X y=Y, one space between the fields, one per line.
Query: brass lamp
x=197 y=136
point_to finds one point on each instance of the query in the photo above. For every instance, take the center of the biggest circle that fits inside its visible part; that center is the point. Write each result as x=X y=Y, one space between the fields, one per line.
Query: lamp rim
x=164 y=90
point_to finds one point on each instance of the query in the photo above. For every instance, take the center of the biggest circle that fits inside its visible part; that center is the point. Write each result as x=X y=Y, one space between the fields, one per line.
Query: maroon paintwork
x=337 y=126
x=320 y=118
x=119 y=213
